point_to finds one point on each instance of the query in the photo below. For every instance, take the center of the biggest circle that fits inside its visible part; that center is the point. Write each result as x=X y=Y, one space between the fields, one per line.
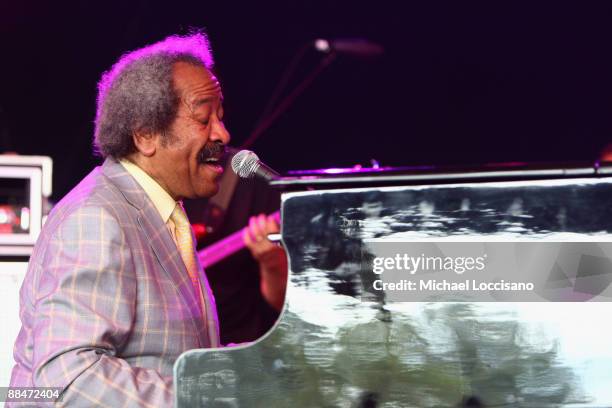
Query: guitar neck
x=227 y=246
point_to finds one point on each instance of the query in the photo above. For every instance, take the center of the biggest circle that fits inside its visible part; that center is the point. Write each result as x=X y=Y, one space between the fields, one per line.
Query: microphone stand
x=266 y=121
x=280 y=86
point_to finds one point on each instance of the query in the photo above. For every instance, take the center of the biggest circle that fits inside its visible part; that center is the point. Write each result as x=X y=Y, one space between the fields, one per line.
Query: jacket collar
x=159 y=238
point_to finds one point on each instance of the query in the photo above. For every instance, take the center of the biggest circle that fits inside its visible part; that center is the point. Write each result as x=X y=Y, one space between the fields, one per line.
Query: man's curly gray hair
x=138 y=94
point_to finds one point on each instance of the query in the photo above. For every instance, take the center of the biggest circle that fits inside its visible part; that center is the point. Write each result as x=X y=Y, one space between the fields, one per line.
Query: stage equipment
x=25 y=186
x=339 y=343
x=246 y=164
x=360 y=47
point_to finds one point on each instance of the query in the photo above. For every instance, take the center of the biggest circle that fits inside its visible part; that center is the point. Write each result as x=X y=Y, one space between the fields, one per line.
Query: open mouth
x=213 y=155
x=213 y=160
x=215 y=163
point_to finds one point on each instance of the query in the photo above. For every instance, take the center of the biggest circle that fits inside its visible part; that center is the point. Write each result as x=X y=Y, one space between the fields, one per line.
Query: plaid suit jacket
x=107 y=304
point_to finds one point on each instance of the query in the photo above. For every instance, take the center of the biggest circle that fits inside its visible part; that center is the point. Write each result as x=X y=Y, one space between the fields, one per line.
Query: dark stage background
x=459 y=82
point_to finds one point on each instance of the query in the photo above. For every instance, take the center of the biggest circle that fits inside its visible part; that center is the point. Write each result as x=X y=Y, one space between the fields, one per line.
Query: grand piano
x=339 y=343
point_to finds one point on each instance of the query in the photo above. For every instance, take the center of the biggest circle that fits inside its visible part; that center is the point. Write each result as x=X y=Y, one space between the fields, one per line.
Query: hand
x=256 y=237
x=270 y=256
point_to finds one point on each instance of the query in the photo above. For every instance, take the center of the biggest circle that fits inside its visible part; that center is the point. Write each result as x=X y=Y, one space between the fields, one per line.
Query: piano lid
x=389 y=176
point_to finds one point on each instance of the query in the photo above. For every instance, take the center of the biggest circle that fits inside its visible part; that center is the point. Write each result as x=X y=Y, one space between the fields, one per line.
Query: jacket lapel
x=160 y=240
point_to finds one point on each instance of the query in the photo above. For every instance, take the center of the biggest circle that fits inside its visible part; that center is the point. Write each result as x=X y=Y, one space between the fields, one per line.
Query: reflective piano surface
x=335 y=347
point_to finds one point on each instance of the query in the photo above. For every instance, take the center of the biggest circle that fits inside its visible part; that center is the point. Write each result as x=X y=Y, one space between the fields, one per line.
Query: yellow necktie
x=184 y=241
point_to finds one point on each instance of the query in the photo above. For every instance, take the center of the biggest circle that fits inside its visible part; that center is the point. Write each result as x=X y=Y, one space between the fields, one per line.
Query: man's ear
x=146 y=142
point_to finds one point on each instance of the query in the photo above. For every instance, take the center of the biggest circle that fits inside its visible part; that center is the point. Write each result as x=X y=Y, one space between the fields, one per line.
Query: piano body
x=340 y=344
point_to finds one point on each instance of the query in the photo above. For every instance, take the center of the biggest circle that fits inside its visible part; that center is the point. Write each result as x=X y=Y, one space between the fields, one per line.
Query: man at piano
x=249 y=285
x=114 y=292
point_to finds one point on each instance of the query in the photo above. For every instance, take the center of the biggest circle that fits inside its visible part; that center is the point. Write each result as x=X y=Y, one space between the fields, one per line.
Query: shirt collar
x=161 y=199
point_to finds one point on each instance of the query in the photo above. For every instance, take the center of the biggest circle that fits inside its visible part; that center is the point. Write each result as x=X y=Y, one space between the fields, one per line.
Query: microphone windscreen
x=245 y=163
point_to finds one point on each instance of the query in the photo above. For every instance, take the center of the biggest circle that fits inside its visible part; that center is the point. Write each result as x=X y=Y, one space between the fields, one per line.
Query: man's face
x=186 y=162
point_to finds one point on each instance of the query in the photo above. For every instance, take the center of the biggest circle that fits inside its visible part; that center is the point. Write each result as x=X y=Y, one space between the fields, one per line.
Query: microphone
x=359 y=47
x=246 y=164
